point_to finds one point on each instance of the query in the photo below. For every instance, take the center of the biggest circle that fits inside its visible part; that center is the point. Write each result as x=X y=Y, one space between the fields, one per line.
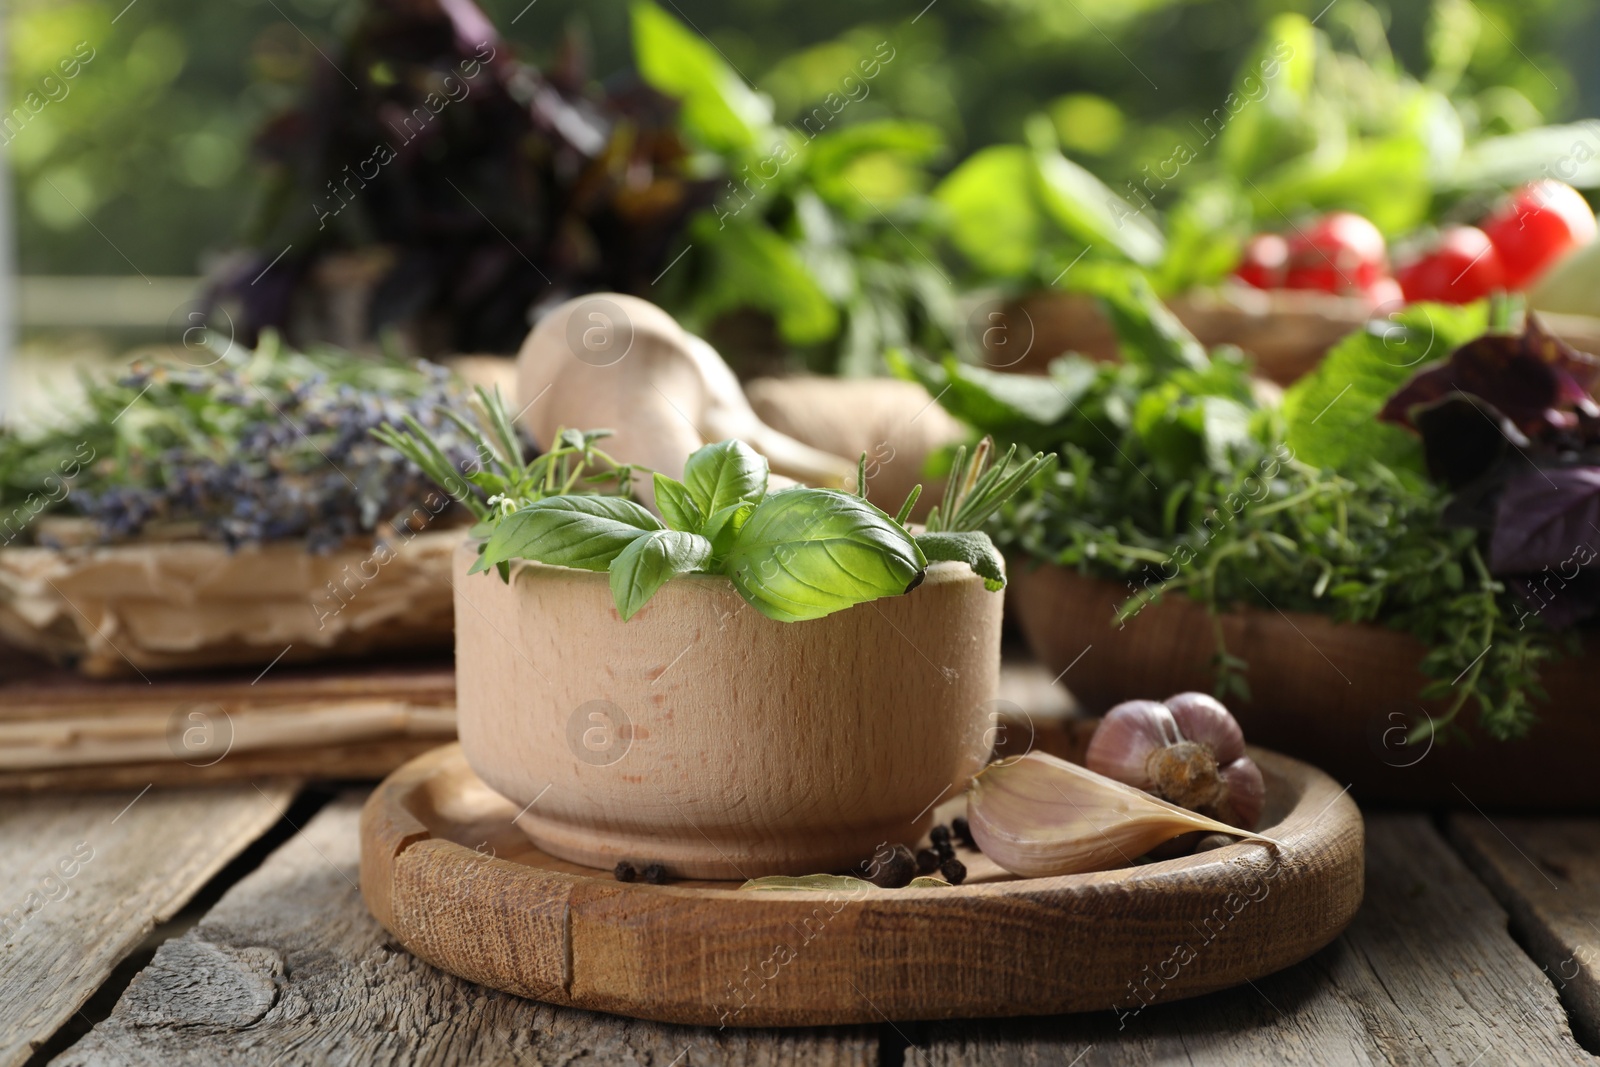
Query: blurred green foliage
x=142 y=163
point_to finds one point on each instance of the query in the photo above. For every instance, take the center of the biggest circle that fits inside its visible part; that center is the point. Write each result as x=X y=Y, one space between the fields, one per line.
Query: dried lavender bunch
x=263 y=445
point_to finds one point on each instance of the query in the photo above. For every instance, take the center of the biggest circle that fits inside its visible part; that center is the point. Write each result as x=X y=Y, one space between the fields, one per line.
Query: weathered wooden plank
x=1546 y=873
x=289 y=968
x=1427 y=974
x=84 y=877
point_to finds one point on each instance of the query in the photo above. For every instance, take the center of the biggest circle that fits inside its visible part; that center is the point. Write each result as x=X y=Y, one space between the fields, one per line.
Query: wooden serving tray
x=444 y=869
x=1343 y=694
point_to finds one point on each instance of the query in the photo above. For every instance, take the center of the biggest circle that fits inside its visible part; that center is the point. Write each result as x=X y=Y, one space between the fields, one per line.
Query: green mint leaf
x=969 y=547
x=649 y=561
x=725 y=473
x=806 y=553
x=676 y=505
x=585 y=532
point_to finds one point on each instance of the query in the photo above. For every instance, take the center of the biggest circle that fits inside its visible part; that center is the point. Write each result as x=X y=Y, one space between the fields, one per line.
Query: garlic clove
x=1203 y=719
x=1121 y=745
x=1037 y=815
x=1246 y=793
x=1180 y=750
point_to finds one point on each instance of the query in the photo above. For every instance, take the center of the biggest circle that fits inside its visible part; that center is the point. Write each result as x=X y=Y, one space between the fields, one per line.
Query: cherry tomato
x=1265 y=262
x=1537 y=225
x=1463 y=267
x=1339 y=253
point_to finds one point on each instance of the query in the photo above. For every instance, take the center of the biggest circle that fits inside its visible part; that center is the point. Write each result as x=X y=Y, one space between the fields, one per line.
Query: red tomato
x=1465 y=266
x=1339 y=253
x=1537 y=225
x=1265 y=262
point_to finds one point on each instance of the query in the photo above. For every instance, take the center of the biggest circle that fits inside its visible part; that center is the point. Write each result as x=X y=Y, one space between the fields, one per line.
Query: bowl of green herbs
x=754 y=679
x=1376 y=570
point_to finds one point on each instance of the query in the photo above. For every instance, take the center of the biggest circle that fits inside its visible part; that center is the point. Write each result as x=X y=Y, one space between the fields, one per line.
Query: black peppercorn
x=624 y=872
x=891 y=868
x=954 y=871
x=928 y=861
x=655 y=874
x=939 y=835
x=963 y=832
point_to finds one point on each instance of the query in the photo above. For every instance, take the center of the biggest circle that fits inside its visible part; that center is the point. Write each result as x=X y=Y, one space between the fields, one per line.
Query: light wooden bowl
x=711 y=739
x=1341 y=694
x=446 y=872
x=1287 y=331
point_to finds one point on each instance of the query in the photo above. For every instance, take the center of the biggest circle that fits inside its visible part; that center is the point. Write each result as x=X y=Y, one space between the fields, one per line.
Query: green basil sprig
x=794 y=554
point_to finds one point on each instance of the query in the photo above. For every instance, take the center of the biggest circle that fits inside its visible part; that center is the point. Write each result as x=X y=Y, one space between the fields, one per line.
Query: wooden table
x=223 y=925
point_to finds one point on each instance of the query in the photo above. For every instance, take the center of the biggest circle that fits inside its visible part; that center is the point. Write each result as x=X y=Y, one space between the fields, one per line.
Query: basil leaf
x=677 y=507
x=722 y=528
x=725 y=473
x=970 y=547
x=806 y=553
x=585 y=532
x=641 y=568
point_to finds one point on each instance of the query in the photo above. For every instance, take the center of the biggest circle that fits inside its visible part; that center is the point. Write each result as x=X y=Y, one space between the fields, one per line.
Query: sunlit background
x=138 y=174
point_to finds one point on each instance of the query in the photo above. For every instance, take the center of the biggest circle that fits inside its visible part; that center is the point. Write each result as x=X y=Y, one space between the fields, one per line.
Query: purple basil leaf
x=1536 y=380
x=1546 y=518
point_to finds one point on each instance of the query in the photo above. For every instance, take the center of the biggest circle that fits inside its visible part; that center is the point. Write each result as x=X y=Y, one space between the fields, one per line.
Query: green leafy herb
x=586 y=532
x=806 y=553
x=647 y=562
x=1174 y=479
x=794 y=555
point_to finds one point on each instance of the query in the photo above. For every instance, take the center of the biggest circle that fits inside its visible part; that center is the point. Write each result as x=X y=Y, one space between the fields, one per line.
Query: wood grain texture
x=364 y=760
x=1341 y=695
x=444 y=869
x=84 y=878
x=1546 y=873
x=1425 y=975
x=289 y=969
x=59 y=730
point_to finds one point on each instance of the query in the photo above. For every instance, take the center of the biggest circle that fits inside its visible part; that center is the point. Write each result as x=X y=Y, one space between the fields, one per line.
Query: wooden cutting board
x=445 y=870
x=356 y=720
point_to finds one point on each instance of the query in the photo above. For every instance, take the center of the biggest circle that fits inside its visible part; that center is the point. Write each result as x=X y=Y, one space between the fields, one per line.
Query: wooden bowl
x=1287 y=331
x=1342 y=694
x=445 y=871
x=706 y=737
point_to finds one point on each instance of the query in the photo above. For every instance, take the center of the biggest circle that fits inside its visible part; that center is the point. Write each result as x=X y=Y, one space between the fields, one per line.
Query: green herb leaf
x=586 y=532
x=970 y=547
x=718 y=107
x=725 y=473
x=1332 y=414
x=649 y=561
x=722 y=528
x=677 y=505
x=806 y=553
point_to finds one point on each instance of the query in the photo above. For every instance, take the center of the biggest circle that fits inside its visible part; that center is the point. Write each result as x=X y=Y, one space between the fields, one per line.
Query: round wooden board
x=444 y=869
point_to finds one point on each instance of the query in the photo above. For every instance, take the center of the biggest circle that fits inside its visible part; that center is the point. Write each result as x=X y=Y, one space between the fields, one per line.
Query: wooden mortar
x=706 y=737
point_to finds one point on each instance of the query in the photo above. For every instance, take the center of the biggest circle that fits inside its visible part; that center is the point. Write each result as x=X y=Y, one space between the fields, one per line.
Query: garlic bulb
x=1036 y=815
x=1188 y=749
